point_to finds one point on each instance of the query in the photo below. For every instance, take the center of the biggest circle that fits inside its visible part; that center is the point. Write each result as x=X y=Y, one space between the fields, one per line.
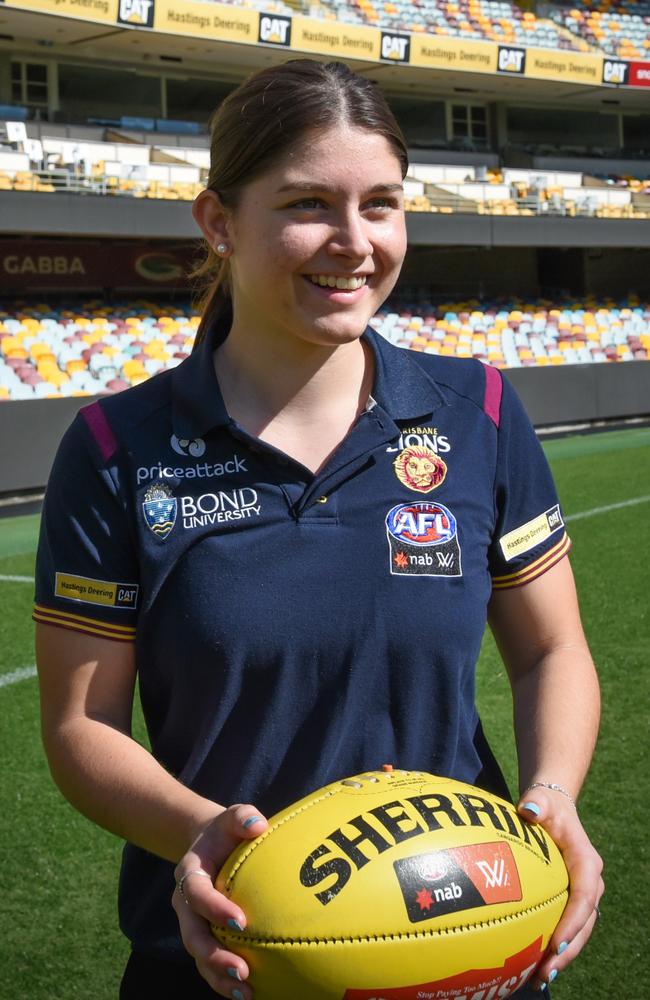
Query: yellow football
x=394 y=885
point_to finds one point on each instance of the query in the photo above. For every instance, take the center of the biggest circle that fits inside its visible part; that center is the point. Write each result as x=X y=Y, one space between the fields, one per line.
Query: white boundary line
x=22 y=674
x=16 y=579
x=605 y=510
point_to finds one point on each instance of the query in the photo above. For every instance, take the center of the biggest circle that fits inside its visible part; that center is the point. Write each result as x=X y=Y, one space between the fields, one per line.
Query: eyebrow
x=323 y=186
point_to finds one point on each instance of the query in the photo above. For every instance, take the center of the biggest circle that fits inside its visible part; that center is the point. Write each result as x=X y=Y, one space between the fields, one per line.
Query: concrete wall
x=30 y=430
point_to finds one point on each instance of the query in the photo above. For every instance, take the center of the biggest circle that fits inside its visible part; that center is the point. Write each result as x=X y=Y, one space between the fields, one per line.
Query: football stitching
x=263 y=942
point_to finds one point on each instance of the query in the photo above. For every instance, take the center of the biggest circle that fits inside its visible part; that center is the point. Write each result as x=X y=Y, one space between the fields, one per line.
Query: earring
x=222 y=249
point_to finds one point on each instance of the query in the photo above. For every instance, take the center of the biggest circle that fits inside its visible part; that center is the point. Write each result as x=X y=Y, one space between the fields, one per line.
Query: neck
x=264 y=380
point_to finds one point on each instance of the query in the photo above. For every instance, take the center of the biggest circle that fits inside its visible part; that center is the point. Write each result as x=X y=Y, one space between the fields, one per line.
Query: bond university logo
x=160 y=509
x=274 y=30
x=137 y=13
x=423 y=540
x=420 y=469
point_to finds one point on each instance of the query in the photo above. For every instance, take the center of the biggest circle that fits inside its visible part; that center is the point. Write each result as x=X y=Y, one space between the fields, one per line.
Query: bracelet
x=553 y=787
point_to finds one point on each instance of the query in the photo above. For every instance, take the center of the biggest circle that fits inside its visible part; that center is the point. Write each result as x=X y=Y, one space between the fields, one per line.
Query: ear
x=211 y=217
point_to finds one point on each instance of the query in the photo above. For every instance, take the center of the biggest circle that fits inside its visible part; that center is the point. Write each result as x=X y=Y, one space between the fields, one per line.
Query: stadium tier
x=620 y=29
x=95 y=349
x=173 y=173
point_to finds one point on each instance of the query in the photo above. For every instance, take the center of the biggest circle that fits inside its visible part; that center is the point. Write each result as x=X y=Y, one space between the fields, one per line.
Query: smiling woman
x=258 y=528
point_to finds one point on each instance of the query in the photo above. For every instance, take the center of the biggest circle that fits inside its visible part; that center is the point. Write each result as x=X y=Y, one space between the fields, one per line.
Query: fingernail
x=251 y=819
x=541 y=987
x=234 y=924
x=237 y=995
x=531 y=807
x=233 y=973
x=563 y=945
x=552 y=975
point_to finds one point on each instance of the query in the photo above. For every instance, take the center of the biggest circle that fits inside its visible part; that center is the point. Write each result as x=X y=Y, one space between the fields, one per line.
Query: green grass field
x=59 y=926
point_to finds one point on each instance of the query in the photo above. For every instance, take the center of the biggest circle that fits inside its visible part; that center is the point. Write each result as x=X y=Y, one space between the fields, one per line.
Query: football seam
x=244 y=939
x=254 y=844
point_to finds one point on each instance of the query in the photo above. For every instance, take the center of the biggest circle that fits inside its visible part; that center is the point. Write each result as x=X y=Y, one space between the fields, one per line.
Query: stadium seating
x=490 y=20
x=95 y=349
x=618 y=28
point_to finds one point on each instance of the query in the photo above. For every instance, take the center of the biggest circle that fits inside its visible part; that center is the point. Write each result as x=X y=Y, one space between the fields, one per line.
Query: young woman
x=294 y=541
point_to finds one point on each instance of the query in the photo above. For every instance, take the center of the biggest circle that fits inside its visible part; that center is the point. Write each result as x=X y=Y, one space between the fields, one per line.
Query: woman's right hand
x=199 y=904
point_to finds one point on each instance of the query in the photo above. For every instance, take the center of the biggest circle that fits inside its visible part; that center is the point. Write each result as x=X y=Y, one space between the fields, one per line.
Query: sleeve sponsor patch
x=527 y=536
x=88 y=591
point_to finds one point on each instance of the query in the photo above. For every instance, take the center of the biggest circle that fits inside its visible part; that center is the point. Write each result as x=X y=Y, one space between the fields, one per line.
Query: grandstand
x=528 y=194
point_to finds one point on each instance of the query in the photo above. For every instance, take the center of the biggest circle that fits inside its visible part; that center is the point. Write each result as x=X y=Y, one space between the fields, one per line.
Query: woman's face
x=318 y=241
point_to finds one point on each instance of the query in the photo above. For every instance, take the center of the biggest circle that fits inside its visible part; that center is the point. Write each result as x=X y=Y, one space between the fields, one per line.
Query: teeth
x=330 y=281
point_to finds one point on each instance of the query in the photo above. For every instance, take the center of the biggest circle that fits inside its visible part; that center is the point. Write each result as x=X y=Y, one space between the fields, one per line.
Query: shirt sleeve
x=530 y=536
x=87 y=576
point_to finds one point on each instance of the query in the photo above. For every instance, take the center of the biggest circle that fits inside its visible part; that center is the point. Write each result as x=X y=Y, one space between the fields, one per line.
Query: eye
x=307 y=204
x=384 y=203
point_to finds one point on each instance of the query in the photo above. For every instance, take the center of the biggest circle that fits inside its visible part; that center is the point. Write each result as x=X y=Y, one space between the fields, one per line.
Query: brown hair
x=261 y=121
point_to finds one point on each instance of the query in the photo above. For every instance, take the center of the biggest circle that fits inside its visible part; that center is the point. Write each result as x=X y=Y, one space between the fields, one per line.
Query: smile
x=331 y=281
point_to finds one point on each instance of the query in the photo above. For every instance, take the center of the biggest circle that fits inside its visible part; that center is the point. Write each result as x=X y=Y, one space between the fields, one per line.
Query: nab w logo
x=445 y=559
x=511 y=60
x=136 y=12
x=275 y=30
x=395 y=48
x=615 y=72
x=495 y=874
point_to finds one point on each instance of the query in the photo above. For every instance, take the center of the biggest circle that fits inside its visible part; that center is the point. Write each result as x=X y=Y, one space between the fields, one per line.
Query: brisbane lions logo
x=420 y=469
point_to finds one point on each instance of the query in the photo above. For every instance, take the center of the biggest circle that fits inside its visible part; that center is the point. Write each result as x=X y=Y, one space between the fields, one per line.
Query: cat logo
x=136 y=12
x=615 y=72
x=275 y=30
x=511 y=60
x=395 y=48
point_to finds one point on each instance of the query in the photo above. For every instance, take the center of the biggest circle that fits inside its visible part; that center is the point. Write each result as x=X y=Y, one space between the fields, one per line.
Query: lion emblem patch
x=420 y=469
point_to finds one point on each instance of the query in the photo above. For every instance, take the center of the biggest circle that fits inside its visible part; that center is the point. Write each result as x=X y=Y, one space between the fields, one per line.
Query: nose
x=350 y=235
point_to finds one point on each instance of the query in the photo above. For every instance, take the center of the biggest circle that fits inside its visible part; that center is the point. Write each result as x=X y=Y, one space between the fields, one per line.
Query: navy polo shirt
x=291 y=628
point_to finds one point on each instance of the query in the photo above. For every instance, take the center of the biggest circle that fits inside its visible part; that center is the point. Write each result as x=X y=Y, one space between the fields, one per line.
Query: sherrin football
x=394 y=885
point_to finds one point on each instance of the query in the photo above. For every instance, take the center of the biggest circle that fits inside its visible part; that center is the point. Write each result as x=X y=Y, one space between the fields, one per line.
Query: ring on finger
x=597 y=912
x=181 y=881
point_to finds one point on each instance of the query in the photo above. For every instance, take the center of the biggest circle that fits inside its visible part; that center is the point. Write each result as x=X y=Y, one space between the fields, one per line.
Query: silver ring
x=597 y=912
x=194 y=871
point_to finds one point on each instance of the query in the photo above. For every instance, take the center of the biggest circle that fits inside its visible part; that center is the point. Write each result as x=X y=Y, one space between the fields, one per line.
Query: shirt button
x=321 y=499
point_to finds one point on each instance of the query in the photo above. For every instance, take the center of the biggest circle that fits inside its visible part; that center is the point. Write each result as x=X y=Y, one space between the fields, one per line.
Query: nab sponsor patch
x=458 y=879
x=527 y=536
x=420 y=469
x=423 y=540
x=160 y=509
x=89 y=591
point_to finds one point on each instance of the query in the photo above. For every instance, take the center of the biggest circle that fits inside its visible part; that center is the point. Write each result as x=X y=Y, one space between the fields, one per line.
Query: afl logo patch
x=159 y=509
x=419 y=468
x=423 y=540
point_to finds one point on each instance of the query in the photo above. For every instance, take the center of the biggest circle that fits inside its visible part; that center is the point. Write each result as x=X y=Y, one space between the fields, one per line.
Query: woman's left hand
x=560 y=819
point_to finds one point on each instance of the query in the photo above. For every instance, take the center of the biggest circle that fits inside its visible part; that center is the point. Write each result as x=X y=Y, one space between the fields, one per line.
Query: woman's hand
x=556 y=813
x=198 y=904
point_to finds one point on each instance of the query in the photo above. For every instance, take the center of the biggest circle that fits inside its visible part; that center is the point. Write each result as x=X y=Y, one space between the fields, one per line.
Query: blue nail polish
x=552 y=975
x=542 y=987
x=237 y=995
x=563 y=945
x=234 y=924
x=531 y=807
x=249 y=822
x=233 y=973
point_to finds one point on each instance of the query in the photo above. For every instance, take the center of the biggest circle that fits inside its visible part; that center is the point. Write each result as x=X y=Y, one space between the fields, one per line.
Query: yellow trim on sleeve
x=78 y=623
x=534 y=569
